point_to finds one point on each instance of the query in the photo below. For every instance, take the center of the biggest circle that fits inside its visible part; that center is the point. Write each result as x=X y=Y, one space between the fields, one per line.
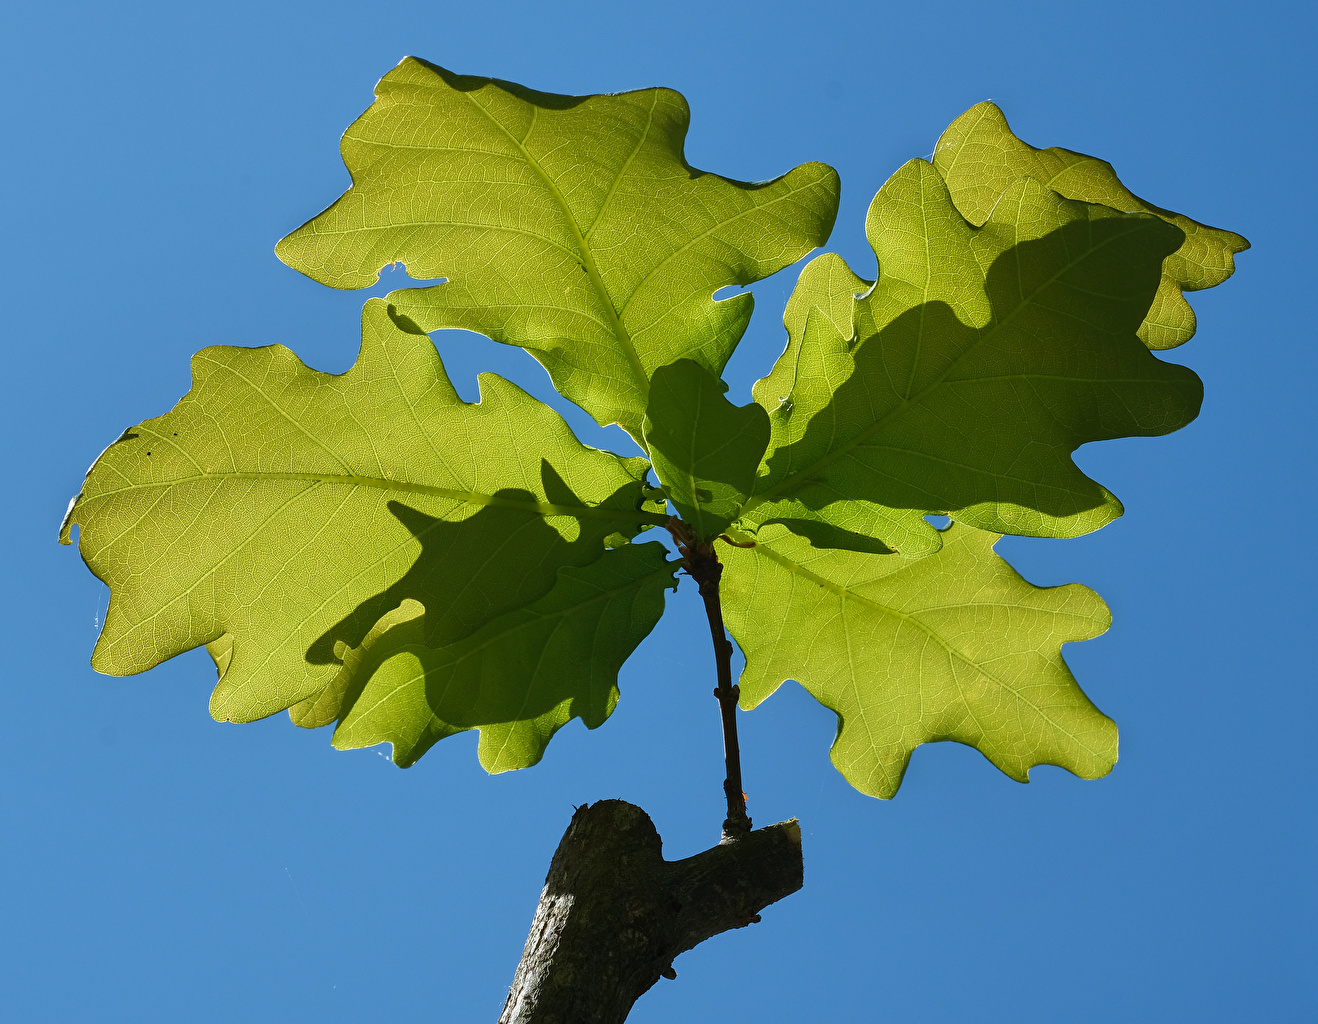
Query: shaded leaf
x=518 y=679
x=980 y=159
x=277 y=513
x=961 y=382
x=955 y=646
x=705 y=450
x=570 y=225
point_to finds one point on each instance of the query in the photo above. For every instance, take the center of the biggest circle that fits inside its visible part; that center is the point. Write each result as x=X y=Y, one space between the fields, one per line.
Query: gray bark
x=614 y=913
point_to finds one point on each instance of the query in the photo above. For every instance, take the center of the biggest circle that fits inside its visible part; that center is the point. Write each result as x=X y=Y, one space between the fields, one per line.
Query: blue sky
x=158 y=866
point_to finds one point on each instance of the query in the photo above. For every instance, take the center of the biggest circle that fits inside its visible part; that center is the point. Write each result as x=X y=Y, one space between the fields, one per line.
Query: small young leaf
x=704 y=449
x=961 y=382
x=955 y=646
x=980 y=159
x=277 y=513
x=518 y=679
x=570 y=225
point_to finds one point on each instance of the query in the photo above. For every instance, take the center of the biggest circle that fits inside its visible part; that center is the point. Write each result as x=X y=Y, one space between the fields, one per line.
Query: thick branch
x=614 y=913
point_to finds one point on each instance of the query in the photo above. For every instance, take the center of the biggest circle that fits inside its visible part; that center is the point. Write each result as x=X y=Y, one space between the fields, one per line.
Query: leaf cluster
x=368 y=550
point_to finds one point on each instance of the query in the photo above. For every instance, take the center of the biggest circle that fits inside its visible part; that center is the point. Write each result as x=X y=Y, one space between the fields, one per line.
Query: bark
x=614 y=913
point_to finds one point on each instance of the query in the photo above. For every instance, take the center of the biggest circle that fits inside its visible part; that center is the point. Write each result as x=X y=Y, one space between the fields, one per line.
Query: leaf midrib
x=584 y=250
x=405 y=487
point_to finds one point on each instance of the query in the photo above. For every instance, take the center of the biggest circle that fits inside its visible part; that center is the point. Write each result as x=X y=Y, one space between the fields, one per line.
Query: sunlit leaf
x=277 y=513
x=570 y=225
x=955 y=646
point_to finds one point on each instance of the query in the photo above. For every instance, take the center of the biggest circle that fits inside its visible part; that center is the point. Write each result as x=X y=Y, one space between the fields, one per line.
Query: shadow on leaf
x=469 y=571
x=980 y=423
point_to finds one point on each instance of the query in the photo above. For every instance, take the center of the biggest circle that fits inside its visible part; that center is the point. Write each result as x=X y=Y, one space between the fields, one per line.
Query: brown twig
x=700 y=561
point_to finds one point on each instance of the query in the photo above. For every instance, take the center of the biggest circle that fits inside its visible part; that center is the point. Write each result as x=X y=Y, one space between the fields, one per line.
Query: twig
x=703 y=565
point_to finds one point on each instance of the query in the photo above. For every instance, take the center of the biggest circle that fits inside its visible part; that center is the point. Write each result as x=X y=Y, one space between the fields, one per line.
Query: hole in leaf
x=395 y=275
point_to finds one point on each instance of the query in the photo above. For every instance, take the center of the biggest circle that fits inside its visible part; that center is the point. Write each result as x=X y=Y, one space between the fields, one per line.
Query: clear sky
x=158 y=866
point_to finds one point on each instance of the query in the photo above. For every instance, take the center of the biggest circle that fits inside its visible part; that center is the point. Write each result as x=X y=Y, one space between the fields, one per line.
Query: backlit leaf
x=277 y=513
x=955 y=646
x=570 y=225
x=961 y=382
x=980 y=158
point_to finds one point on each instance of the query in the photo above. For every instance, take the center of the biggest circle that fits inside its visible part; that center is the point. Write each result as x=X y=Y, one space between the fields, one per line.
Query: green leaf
x=518 y=679
x=705 y=450
x=277 y=513
x=961 y=382
x=955 y=646
x=980 y=158
x=572 y=226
